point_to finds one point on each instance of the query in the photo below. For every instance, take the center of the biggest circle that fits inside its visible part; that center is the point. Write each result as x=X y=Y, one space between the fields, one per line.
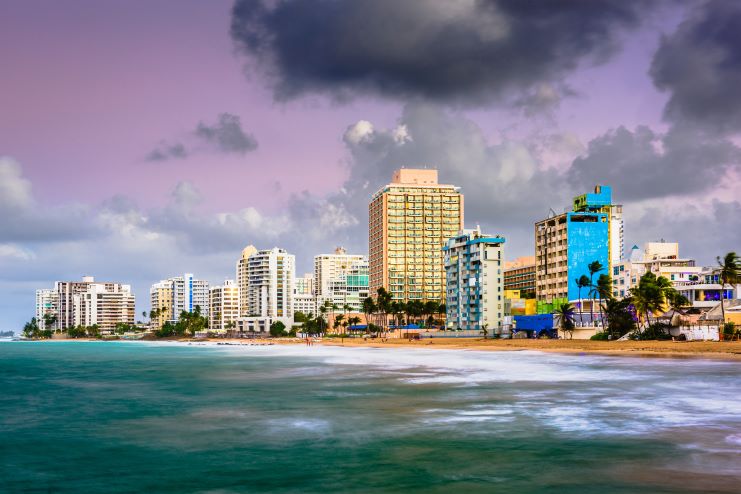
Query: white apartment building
x=304 y=300
x=243 y=279
x=185 y=292
x=75 y=305
x=104 y=305
x=474 y=288
x=47 y=302
x=223 y=306
x=341 y=279
x=271 y=282
x=329 y=267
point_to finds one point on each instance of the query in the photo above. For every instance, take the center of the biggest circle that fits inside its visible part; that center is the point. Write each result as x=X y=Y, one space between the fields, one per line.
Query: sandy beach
x=681 y=349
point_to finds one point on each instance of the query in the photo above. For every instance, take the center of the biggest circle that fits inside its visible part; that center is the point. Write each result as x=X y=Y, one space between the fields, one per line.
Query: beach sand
x=726 y=350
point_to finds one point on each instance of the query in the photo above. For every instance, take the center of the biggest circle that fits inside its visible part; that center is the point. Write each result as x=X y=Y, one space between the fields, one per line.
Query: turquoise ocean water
x=86 y=417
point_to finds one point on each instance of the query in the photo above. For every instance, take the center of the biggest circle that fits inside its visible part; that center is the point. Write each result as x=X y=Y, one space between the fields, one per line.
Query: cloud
x=464 y=51
x=227 y=135
x=642 y=164
x=699 y=65
x=10 y=251
x=166 y=151
x=15 y=190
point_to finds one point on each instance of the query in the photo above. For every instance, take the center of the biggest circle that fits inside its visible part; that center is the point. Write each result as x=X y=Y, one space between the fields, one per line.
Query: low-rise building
x=520 y=275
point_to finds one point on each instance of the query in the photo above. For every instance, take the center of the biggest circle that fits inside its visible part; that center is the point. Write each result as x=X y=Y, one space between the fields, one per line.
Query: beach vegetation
x=566 y=316
x=277 y=328
x=729 y=273
x=620 y=317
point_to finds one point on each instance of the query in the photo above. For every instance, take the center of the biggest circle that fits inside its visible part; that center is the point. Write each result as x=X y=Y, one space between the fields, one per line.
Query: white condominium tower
x=243 y=279
x=271 y=277
x=86 y=303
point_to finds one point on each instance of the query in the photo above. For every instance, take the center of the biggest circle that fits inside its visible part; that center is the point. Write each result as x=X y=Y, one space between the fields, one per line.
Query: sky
x=142 y=139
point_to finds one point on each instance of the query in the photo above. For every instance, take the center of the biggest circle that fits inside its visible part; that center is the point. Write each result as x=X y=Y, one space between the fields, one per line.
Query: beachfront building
x=223 y=306
x=565 y=244
x=89 y=302
x=330 y=267
x=104 y=305
x=474 y=281
x=410 y=220
x=47 y=302
x=243 y=279
x=304 y=300
x=185 y=294
x=341 y=279
x=519 y=275
x=271 y=281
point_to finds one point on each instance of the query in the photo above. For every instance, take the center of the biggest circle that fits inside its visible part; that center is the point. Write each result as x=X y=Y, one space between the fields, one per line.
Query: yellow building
x=161 y=302
x=410 y=220
x=223 y=306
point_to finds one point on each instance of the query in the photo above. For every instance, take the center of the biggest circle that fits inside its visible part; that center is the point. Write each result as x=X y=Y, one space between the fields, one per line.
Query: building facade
x=271 y=283
x=223 y=306
x=520 y=275
x=47 y=302
x=88 y=302
x=410 y=220
x=565 y=244
x=243 y=279
x=474 y=265
x=185 y=294
x=104 y=305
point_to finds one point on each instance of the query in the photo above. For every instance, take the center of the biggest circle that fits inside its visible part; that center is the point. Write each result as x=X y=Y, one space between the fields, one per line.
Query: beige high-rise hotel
x=410 y=220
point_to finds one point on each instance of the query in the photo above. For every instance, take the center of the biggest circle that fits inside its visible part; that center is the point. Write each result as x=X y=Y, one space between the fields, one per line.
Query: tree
x=620 y=320
x=50 y=320
x=31 y=328
x=604 y=292
x=383 y=305
x=431 y=307
x=369 y=307
x=566 y=313
x=485 y=330
x=594 y=267
x=729 y=273
x=648 y=296
x=582 y=282
x=277 y=328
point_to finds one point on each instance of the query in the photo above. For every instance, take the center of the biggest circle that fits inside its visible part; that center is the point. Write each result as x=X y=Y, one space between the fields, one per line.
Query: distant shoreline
x=729 y=351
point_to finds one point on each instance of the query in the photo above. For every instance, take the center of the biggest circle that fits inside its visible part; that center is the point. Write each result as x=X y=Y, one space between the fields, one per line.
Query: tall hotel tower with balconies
x=410 y=220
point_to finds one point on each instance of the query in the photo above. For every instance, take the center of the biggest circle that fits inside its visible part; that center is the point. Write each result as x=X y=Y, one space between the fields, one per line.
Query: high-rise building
x=185 y=292
x=223 y=306
x=329 y=267
x=88 y=302
x=161 y=298
x=47 y=302
x=271 y=277
x=474 y=281
x=104 y=305
x=243 y=279
x=304 y=300
x=565 y=244
x=341 y=279
x=410 y=220
x=520 y=275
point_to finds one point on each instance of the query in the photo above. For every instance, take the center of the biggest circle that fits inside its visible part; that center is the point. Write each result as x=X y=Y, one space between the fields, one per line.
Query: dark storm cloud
x=165 y=152
x=700 y=66
x=227 y=134
x=643 y=164
x=465 y=51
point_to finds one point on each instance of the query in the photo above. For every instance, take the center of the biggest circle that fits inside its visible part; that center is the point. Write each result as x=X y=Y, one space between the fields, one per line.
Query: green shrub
x=601 y=336
x=729 y=328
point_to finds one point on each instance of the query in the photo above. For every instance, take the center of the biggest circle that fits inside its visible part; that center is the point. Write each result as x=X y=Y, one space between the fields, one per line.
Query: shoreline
x=711 y=350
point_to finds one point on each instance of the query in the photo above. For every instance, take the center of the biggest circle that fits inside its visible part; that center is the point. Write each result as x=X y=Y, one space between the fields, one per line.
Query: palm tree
x=729 y=273
x=566 y=311
x=582 y=282
x=594 y=267
x=384 y=305
x=430 y=308
x=369 y=307
x=604 y=292
x=648 y=295
x=485 y=330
